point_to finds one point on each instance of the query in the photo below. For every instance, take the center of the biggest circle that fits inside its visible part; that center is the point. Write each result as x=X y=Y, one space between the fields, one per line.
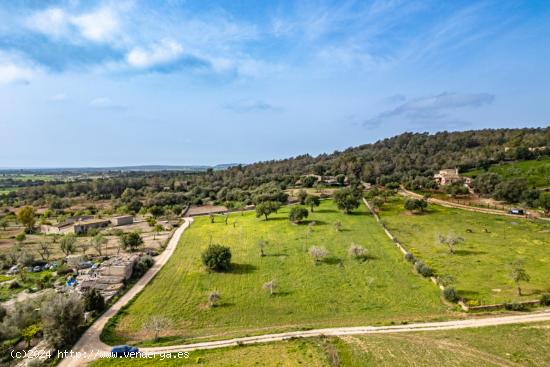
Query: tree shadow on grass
x=325 y=211
x=281 y=294
x=333 y=260
x=467 y=294
x=242 y=268
x=356 y=214
x=277 y=254
x=317 y=222
x=468 y=252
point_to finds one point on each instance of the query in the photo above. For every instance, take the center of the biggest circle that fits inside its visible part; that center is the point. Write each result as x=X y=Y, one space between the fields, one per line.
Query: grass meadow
x=537 y=172
x=481 y=264
x=505 y=345
x=338 y=292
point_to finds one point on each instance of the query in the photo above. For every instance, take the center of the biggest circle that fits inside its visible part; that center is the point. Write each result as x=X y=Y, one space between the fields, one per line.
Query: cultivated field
x=505 y=345
x=481 y=264
x=340 y=291
x=537 y=172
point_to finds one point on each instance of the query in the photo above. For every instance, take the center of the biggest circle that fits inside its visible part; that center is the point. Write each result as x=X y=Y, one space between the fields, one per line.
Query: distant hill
x=98 y=170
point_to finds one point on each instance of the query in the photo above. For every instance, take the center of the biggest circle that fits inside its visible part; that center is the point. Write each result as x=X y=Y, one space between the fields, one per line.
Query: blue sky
x=106 y=83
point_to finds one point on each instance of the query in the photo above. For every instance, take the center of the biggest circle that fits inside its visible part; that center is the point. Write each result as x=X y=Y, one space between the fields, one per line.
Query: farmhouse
x=84 y=226
x=448 y=177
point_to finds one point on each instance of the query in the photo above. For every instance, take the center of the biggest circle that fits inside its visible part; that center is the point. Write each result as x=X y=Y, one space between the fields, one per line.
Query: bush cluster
x=423 y=269
x=450 y=294
x=217 y=258
x=545 y=299
x=410 y=258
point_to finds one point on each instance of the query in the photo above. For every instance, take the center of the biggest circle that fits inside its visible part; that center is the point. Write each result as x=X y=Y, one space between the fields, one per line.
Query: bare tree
x=213 y=298
x=156 y=324
x=84 y=246
x=261 y=245
x=451 y=241
x=357 y=252
x=318 y=254
x=270 y=286
x=97 y=243
x=44 y=249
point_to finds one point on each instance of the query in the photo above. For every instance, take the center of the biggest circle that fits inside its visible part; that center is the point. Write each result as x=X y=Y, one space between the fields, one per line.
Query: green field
x=307 y=352
x=481 y=264
x=340 y=291
x=504 y=345
x=527 y=345
x=537 y=172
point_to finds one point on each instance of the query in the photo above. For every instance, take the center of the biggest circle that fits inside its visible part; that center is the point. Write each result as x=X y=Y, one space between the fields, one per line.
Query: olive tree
x=518 y=274
x=61 y=317
x=347 y=199
x=266 y=208
x=312 y=201
x=67 y=244
x=297 y=214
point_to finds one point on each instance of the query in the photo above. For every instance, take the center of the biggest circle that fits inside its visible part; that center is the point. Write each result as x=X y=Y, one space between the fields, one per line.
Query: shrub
x=217 y=258
x=94 y=301
x=410 y=257
x=318 y=253
x=545 y=299
x=450 y=294
x=515 y=306
x=357 y=252
x=423 y=269
x=140 y=267
x=297 y=214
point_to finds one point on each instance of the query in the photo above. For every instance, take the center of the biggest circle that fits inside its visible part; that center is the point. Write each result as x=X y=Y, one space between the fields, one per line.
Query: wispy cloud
x=105 y=103
x=164 y=52
x=433 y=108
x=12 y=73
x=59 y=97
x=244 y=106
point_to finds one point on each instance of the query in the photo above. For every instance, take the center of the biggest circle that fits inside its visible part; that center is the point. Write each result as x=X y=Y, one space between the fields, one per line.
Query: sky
x=128 y=82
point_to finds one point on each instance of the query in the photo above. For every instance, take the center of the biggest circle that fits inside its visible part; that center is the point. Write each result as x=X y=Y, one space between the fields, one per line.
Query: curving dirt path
x=89 y=341
x=448 y=204
x=428 y=326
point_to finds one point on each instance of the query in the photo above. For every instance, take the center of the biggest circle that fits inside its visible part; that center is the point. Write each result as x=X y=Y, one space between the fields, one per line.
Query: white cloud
x=12 y=73
x=53 y=22
x=99 y=25
x=165 y=52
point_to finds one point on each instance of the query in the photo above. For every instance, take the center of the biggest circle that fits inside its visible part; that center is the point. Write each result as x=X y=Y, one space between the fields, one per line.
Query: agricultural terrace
x=481 y=264
x=524 y=344
x=339 y=291
x=537 y=172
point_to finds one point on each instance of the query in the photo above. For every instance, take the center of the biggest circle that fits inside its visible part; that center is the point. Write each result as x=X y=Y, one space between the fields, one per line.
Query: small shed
x=122 y=220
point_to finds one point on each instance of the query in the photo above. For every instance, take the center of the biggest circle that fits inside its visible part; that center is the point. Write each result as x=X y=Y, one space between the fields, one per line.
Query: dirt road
x=89 y=341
